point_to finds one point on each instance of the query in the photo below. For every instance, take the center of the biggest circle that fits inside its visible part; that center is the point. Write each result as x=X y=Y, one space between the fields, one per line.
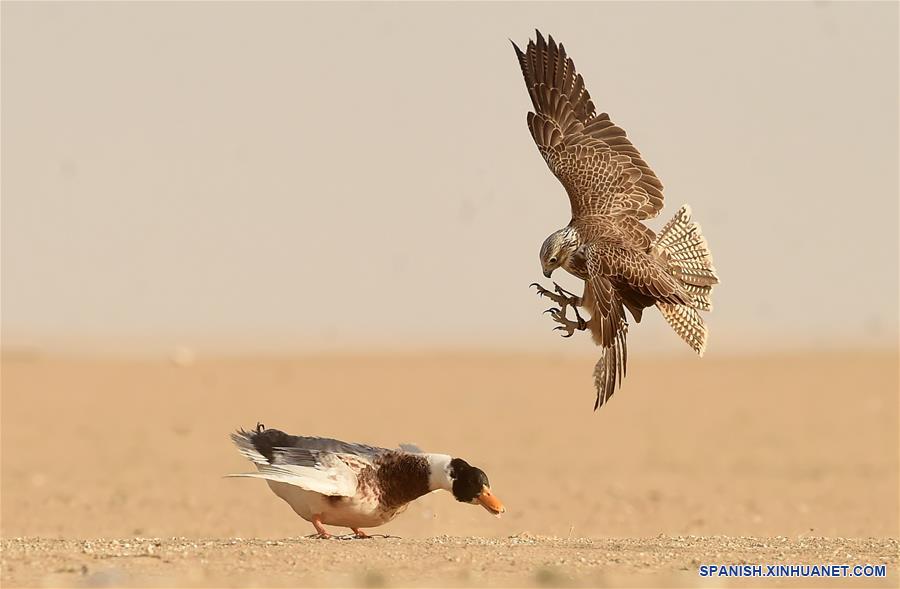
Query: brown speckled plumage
x=396 y=478
x=393 y=479
x=611 y=190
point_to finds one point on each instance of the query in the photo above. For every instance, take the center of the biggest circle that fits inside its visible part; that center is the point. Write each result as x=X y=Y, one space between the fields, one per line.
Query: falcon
x=611 y=189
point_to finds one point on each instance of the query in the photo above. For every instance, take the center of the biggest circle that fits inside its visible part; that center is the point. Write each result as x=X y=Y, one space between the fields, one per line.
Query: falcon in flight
x=624 y=265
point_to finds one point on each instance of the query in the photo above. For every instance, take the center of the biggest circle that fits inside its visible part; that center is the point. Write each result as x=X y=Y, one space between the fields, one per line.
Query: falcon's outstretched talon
x=543 y=292
x=559 y=297
x=573 y=299
x=565 y=324
x=569 y=331
x=569 y=299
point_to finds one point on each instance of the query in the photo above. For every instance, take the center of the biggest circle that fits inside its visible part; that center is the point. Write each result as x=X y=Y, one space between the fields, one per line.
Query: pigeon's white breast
x=352 y=512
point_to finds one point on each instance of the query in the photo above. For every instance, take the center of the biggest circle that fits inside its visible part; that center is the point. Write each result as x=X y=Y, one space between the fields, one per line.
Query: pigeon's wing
x=331 y=445
x=322 y=465
x=262 y=440
x=333 y=479
x=313 y=470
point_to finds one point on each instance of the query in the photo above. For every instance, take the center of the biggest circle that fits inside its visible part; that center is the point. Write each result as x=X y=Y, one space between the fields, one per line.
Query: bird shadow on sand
x=351 y=537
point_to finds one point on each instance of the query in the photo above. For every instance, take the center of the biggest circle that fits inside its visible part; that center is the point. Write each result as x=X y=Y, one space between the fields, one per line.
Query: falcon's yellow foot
x=559 y=315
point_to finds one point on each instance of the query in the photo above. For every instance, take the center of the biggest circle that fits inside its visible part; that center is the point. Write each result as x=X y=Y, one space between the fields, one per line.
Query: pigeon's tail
x=690 y=261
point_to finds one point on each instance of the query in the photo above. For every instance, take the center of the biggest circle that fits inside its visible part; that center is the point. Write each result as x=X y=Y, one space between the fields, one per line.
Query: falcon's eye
x=553 y=260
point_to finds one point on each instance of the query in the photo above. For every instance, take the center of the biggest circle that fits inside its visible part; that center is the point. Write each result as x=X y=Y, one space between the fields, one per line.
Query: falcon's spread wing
x=636 y=269
x=601 y=170
x=608 y=270
x=608 y=327
x=611 y=190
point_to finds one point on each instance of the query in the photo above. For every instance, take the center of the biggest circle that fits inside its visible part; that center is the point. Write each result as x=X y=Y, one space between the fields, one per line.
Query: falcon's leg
x=559 y=315
x=573 y=300
x=581 y=321
x=563 y=298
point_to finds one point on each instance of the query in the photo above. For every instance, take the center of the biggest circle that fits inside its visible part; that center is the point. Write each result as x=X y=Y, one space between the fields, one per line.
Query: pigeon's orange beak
x=490 y=502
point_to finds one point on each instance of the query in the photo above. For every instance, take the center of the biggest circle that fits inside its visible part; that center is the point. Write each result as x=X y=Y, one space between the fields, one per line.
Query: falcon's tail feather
x=687 y=323
x=691 y=262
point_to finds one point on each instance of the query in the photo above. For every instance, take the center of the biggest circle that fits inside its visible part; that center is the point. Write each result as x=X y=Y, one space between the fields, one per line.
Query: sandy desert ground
x=111 y=469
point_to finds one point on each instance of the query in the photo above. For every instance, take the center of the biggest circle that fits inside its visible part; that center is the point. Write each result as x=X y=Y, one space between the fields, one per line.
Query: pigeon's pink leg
x=317 y=522
x=359 y=533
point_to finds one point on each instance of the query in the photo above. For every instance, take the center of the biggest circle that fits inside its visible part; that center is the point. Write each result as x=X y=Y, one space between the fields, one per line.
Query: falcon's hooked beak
x=490 y=502
x=547 y=273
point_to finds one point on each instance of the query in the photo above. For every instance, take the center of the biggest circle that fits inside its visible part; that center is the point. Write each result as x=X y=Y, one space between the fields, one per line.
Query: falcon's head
x=557 y=248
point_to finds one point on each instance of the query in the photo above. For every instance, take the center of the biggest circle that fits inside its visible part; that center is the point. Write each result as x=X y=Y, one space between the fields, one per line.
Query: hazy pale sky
x=261 y=176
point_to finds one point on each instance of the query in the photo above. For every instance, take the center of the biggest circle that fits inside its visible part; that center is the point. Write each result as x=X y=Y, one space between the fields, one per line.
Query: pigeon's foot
x=321 y=532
